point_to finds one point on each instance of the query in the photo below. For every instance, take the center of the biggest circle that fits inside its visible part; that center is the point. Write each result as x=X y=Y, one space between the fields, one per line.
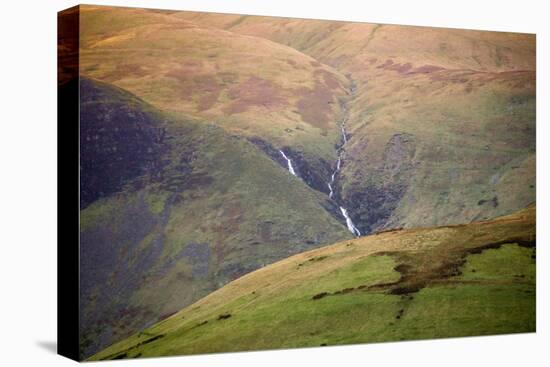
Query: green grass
x=203 y=78
x=511 y=262
x=469 y=310
x=492 y=292
x=221 y=209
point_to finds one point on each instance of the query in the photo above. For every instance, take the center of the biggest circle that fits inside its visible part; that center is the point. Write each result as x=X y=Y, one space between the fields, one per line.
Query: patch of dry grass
x=386 y=286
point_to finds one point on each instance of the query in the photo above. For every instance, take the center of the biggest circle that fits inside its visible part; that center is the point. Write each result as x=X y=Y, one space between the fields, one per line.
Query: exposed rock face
x=374 y=205
x=376 y=201
x=312 y=170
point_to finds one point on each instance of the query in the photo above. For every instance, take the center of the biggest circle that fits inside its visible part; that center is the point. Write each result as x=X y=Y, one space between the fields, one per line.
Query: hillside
x=474 y=279
x=442 y=121
x=173 y=209
x=249 y=86
x=445 y=115
x=214 y=145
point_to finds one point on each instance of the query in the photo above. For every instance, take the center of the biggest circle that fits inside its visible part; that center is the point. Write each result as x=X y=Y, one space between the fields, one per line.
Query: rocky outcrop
x=375 y=202
x=312 y=170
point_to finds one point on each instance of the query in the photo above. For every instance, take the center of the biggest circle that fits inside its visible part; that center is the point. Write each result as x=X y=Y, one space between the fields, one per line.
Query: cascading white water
x=344 y=133
x=290 y=167
x=331 y=193
x=349 y=222
x=351 y=227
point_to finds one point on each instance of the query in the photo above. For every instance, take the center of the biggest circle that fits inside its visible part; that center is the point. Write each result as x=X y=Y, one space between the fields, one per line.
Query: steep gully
x=341 y=152
x=289 y=162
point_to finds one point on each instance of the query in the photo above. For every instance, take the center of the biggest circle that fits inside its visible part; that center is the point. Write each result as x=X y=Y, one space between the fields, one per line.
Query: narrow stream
x=341 y=151
x=352 y=228
x=343 y=127
x=289 y=162
x=349 y=223
x=331 y=193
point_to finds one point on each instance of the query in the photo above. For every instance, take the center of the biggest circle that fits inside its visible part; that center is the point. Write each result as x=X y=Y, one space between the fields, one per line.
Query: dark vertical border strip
x=68 y=203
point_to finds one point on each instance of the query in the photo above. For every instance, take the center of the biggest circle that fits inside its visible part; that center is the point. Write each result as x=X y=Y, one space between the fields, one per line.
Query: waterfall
x=349 y=222
x=351 y=227
x=344 y=133
x=333 y=177
x=290 y=167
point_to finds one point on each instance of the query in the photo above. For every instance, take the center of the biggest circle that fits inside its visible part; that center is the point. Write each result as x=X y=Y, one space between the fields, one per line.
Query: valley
x=258 y=182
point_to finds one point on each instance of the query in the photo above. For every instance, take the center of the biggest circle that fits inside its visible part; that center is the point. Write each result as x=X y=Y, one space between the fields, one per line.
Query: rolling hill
x=474 y=279
x=173 y=209
x=215 y=145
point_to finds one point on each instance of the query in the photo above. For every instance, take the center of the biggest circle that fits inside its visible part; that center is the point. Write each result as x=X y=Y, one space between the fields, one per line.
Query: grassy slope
x=475 y=118
x=219 y=208
x=445 y=115
x=250 y=86
x=474 y=279
x=468 y=125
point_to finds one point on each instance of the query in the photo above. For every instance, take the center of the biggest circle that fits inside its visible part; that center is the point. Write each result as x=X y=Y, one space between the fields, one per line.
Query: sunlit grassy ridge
x=210 y=208
x=440 y=127
x=475 y=279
